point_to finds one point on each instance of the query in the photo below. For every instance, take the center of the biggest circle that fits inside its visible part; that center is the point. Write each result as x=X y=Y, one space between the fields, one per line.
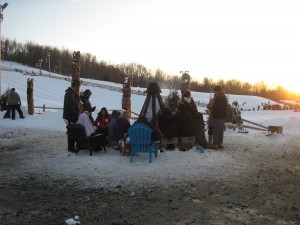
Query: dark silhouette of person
x=86 y=104
x=14 y=103
x=72 y=109
x=219 y=114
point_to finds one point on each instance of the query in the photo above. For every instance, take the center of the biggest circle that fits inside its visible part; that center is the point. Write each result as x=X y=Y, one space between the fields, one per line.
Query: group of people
x=78 y=110
x=12 y=103
x=189 y=122
x=186 y=122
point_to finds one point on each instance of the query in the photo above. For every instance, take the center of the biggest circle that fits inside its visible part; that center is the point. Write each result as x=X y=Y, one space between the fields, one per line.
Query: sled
x=243 y=131
x=200 y=149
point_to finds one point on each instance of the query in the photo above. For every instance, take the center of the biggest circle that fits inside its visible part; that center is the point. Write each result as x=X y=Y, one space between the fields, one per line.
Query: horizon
x=251 y=41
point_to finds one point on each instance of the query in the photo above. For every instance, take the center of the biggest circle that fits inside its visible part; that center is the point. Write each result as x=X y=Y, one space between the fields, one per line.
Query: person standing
x=209 y=123
x=14 y=103
x=72 y=109
x=219 y=114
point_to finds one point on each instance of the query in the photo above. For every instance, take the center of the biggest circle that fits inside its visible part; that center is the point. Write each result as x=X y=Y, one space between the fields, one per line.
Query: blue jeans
x=218 y=131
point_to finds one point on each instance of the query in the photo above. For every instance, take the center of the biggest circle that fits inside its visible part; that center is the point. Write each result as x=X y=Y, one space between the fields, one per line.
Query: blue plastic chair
x=140 y=140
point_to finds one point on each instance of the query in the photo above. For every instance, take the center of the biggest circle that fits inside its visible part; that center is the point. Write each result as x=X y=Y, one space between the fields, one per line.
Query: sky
x=248 y=40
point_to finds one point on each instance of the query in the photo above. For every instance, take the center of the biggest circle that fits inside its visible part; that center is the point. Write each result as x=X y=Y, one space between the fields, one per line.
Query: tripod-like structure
x=153 y=103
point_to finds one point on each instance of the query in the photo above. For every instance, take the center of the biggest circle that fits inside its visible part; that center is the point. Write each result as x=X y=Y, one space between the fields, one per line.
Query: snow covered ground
x=111 y=168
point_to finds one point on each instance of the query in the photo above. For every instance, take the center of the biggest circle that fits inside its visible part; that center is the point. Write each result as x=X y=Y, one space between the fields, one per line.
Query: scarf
x=187 y=99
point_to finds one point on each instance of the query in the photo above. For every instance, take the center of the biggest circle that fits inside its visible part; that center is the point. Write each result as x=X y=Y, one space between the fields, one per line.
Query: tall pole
x=2 y=7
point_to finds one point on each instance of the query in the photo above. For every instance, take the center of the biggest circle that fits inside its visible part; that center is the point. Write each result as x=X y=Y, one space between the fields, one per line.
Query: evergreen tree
x=172 y=100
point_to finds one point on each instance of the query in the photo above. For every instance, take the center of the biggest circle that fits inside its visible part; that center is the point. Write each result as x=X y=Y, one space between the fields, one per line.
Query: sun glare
x=289 y=86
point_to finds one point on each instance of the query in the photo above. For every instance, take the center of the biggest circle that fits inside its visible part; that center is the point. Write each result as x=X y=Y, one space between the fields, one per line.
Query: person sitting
x=120 y=129
x=102 y=122
x=90 y=130
x=167 y=125
x=185 y=124
x=86 y=104
x=189 y=103
x=114 y=116
x=156 y=133
x=191 y=108
x=85 y=121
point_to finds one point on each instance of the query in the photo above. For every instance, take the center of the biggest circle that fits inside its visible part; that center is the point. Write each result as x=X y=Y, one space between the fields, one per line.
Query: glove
x=93 y=109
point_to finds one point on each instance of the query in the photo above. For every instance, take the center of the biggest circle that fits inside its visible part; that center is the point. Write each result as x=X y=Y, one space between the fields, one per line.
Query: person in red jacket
x=102 y=121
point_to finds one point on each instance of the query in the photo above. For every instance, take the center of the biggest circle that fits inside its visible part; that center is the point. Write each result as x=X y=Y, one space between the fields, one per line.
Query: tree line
x=31 y=54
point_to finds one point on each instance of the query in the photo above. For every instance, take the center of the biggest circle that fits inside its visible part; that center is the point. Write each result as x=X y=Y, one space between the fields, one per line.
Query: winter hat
x=87 y=92
x=218 y=88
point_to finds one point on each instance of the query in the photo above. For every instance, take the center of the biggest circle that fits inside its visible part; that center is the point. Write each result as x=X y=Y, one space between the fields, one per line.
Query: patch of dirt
x=263 y=187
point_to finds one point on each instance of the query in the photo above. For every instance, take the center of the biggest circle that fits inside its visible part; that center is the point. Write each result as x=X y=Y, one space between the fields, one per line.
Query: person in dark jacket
x=14 y=103
x=191 y=108
x=189 y=103
x=86 y=104
x=72 y=109
x=185 y=122
x=156 y=133
x=121 y=126
x=219 y=114
x=199 y=130
x=114 y=116
x=167 y=125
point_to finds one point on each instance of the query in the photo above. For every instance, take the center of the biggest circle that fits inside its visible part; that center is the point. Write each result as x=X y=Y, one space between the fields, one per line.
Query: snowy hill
x=50 y=91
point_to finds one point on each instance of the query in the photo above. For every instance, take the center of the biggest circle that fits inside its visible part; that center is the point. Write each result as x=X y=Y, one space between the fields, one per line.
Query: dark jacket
x=167 y=124
x=219 y=108
x=185 y=122
x=120 y=128
x=72 y=106
x=156 y=133
x=190 y=107
x=13 y=98
x=86 y=104
x=199 y=130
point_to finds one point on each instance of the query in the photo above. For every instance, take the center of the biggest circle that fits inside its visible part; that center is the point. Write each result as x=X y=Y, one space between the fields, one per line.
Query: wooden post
x=30 y=101
x=76 y=67
x=126 y=100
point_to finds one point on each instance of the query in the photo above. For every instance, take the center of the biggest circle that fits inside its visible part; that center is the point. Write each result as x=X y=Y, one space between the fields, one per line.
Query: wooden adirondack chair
x=140 y=140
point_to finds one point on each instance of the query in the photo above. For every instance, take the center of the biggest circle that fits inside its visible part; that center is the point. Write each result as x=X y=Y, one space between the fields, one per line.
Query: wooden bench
x=179 y=142
x=273 y=129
